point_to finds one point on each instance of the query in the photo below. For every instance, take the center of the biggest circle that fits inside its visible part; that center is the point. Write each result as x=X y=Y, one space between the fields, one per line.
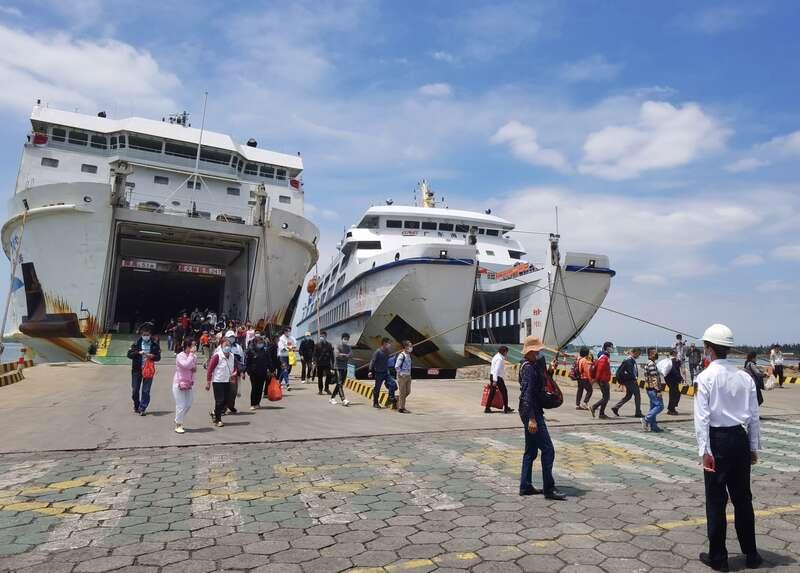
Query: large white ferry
x=118 y=221
x=446 y=279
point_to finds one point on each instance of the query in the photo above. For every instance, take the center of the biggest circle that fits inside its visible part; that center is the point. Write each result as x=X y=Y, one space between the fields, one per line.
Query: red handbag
x=274 y=392
x=497 y=399
x=148 y=369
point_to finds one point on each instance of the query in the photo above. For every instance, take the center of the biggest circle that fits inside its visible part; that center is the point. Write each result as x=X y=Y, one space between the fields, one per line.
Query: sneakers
x=219 y=424
x=253 y=408
x=645 y=425
x=302 y=381
x=603 y=417
x=508 y=410
x=333 y=401
x=142 y=413
x=345 y=402
x=179 y=429
x=376 y=405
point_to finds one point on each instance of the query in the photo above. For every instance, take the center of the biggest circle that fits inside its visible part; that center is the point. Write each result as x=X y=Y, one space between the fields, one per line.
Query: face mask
x=146 y=337
x=345 y=341
x=322 y=337
x=260 y=345
x=226 y=349
x=409 y=350
x=231 y=339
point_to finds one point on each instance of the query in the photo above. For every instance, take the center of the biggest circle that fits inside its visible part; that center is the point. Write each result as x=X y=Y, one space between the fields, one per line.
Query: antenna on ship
x=200 y=142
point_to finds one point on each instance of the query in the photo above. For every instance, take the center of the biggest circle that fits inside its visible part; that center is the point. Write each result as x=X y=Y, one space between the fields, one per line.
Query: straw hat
x=532 y=343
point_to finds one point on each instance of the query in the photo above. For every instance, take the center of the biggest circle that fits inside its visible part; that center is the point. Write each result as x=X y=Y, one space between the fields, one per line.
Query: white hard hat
x=718 y=334
x=230 y=334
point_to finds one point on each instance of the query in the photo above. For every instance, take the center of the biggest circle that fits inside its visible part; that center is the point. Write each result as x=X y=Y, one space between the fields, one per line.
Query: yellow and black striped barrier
x=367 y=390
x=686 y=389
x=11 y=374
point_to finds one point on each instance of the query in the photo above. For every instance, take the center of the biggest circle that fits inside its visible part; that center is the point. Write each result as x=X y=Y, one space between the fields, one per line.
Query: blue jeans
x=380 y=379
x=656 y=405
x=285 y=369
x=533 y=444
x=140 y=391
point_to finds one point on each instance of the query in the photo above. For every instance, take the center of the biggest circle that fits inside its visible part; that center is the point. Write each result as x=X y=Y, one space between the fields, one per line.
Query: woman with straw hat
x=531 y=398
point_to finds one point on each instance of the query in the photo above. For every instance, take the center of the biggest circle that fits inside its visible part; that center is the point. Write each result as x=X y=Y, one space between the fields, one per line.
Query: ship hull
x=81 y=255
x=419 y=297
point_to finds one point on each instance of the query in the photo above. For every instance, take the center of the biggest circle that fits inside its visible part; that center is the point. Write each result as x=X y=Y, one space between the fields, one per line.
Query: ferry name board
x=167 y=267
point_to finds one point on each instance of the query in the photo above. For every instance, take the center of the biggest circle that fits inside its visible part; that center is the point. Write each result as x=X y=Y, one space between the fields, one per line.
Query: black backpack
x=552 y=396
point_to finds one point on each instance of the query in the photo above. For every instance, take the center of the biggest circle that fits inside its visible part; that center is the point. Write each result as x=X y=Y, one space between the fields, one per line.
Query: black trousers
x=605 y=390
x=325 y=372
x=583 y=386
x=338 y=388
x=221 y=391
x=778 y=372
x=731 y=450
x=230 y=401
x=257 y=389
x=305 y=369
x=674 y=396
x=499 y=384
x=631 y=391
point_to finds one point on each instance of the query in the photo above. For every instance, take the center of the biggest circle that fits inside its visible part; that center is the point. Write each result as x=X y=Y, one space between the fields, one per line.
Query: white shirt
x=776 y=358
x=726 y=396
x=284 y=342
x=680 y=350
x=498 y=368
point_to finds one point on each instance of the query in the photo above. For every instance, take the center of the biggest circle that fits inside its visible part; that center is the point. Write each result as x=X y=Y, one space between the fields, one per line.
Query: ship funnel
x=252 y=143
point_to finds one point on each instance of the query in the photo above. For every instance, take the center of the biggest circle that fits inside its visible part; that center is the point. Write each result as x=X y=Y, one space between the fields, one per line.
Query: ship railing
x=194 y=208
x=512 y=273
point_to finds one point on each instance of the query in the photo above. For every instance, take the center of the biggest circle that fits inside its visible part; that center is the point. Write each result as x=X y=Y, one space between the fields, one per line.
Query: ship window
x=393 y=224
x=490 y=253
x=481 y=231
x=234 y=161
x=122 y=141
x=445 y=226
x=99 y=142
x=492 y=232
x=145 y=143
x=284 y=199
x=130 y=184
x=462 y=228
x=252 y=194
x=214 y=156
x=368 y=245
x=429 y=225
x=281 y=174
x=160 y=180
x=411 y=224
x=87 y=168
x=369 y=222
x=178 y=149
x=113 y=140
x=251 y=203
x=251 y=169
x=59 y=134
x=49 y=162
x=267 y=171
x=233 y=191
x=193 y=185
x=78 y=137
x=515 y=254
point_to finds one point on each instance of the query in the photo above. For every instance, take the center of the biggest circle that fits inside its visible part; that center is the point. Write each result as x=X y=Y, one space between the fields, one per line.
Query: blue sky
x=668 y=134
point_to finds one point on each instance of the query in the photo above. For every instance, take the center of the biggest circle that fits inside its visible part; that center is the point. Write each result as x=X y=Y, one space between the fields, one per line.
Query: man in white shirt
x=728 y=438
x=497 y=372
x=285 y=344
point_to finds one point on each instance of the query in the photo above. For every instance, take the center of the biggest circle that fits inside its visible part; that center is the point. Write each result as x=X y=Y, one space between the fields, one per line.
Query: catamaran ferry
x=119 y=221
x=448 y=280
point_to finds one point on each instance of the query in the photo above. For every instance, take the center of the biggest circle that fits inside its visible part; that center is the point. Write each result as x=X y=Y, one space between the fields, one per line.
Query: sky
x=667 y=134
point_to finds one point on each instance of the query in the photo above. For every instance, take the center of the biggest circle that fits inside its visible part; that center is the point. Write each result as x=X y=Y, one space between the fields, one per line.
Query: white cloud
x=592 y=69
x=650 y=279
x=773 y=286
x=647 y=236
x=436 y=90
x=11 y=11
x=784 y=145
x=663 y=136
x=717 y=19
x=748 y=260
x=445 y=57
x=522 y=140
x=746 y=164
x=787 y=253
x=69 y=72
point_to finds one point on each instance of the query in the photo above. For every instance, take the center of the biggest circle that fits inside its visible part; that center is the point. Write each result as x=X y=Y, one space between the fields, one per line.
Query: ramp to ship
x=486 y=351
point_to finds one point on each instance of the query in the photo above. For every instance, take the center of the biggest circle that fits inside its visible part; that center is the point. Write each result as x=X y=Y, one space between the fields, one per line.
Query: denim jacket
x=531 y=389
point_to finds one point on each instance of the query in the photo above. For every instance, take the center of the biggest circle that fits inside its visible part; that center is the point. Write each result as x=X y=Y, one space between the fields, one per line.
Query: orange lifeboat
x=311 y=287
